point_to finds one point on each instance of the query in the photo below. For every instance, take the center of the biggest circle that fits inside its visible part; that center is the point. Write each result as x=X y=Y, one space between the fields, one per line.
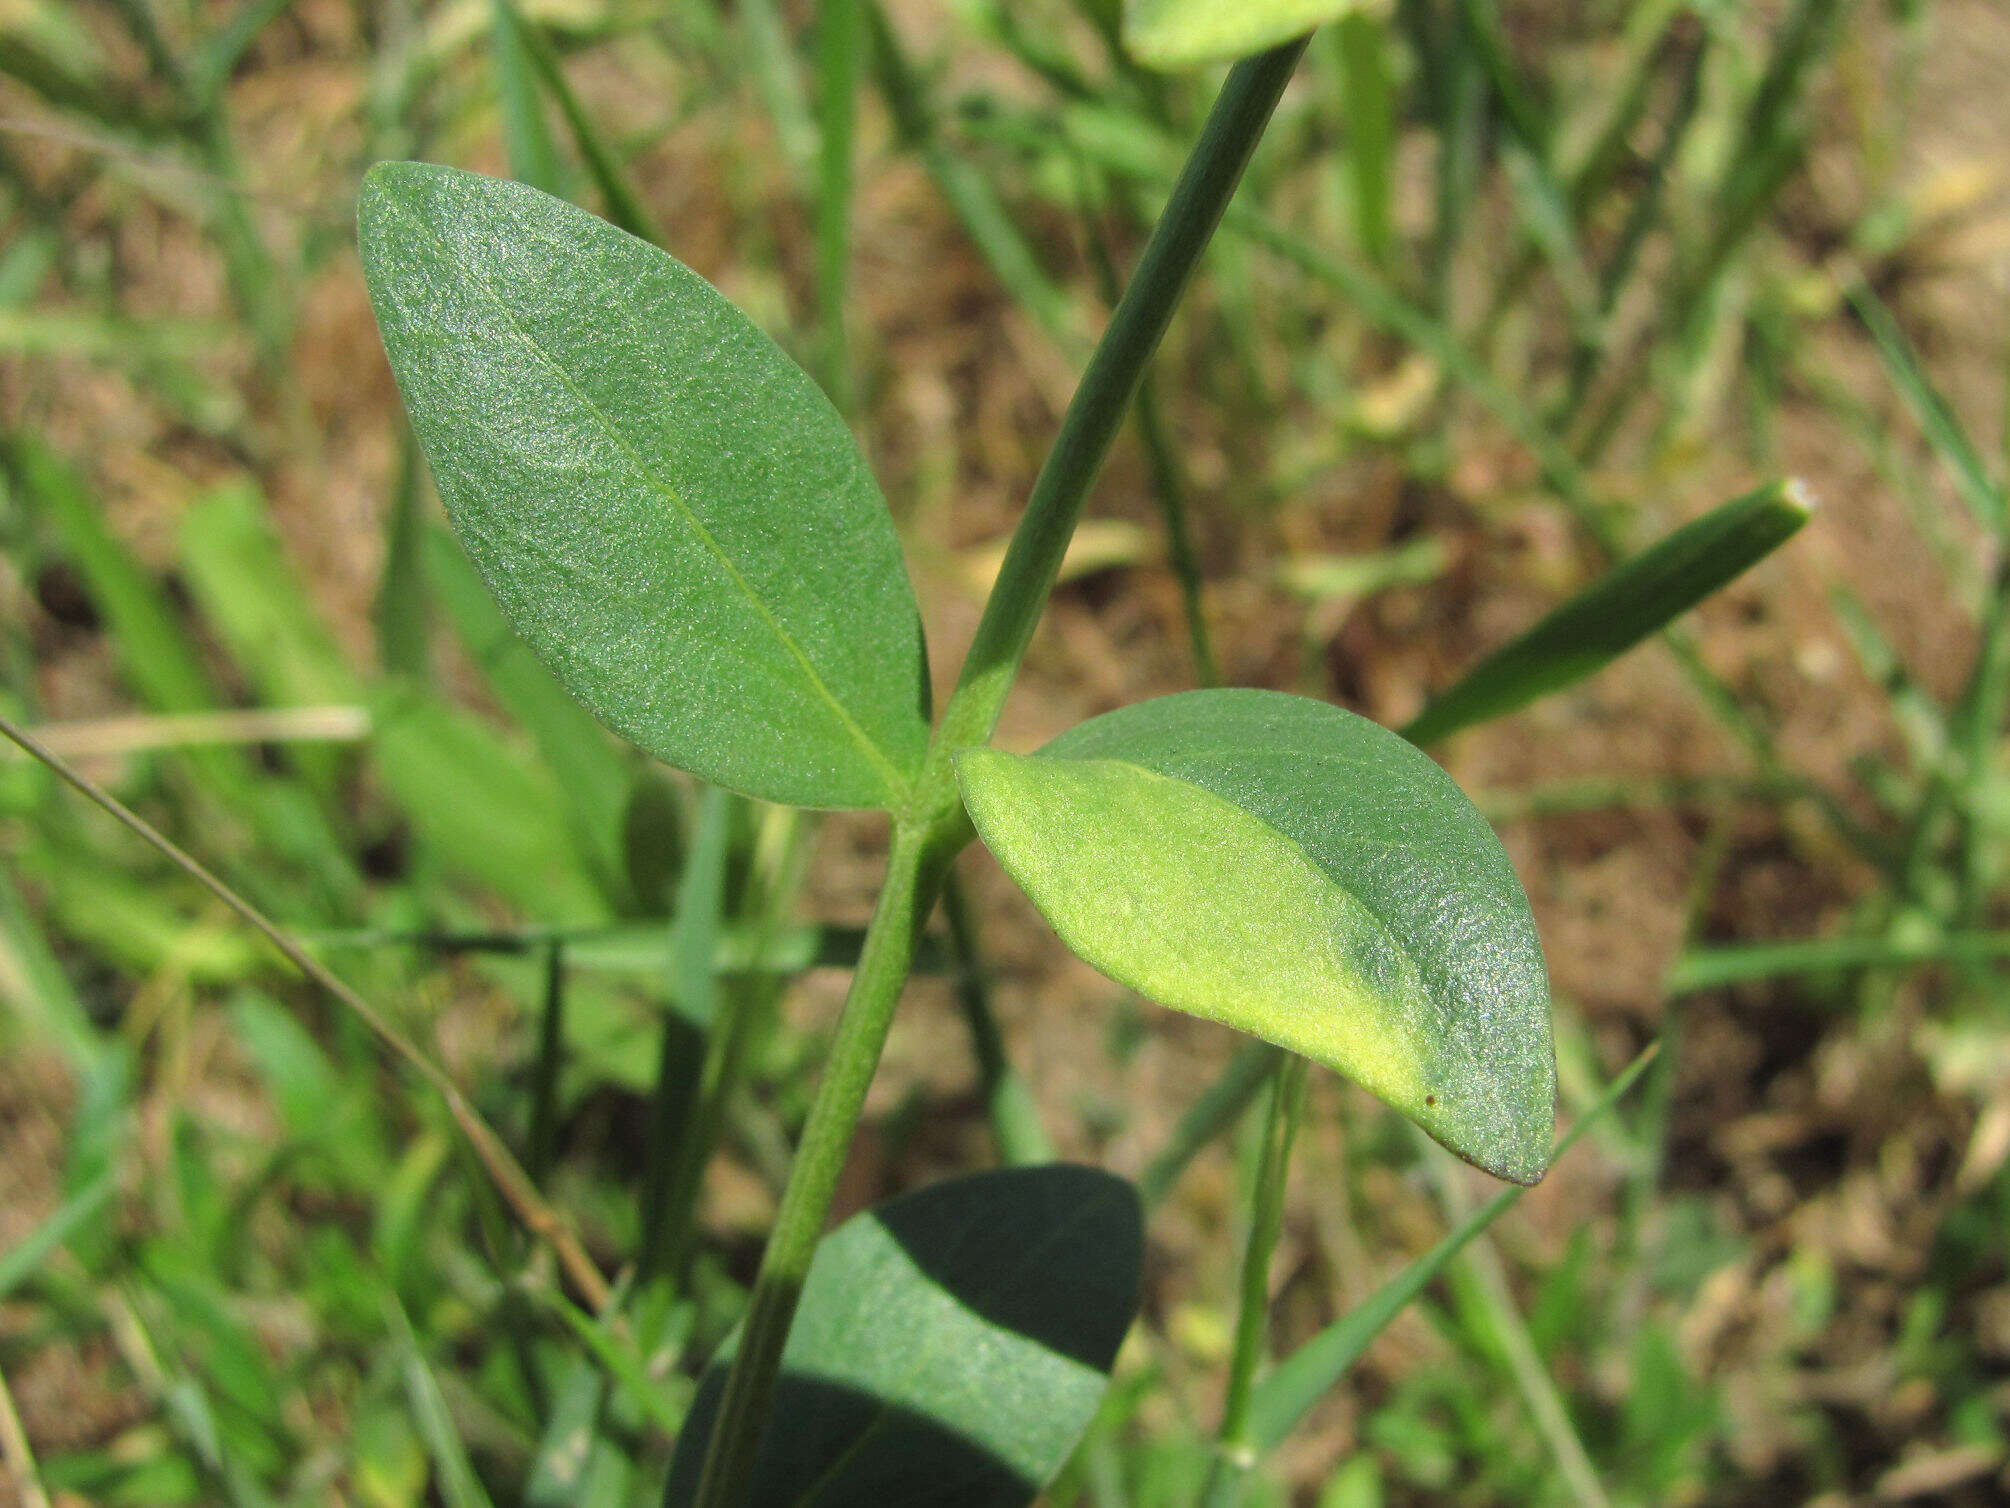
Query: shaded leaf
x=1301 y=874
x=667 y=508
x=951 y=1346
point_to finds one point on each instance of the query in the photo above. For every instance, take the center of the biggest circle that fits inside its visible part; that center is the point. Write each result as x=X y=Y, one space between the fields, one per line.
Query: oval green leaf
x=1303 y=875
x=1184 y=33
x=666 y=506
x=951 y=1346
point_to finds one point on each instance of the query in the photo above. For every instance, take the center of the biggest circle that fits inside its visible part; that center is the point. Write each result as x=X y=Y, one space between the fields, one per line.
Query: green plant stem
x=1198 y=201
x=725 y=1064
x=1207 y=1117
x=841 y=45
x=690 y=1028
x=927 y=835
x=1235 y=1452
x=915 y=869
x=542 y=1142
x=1008 y=1099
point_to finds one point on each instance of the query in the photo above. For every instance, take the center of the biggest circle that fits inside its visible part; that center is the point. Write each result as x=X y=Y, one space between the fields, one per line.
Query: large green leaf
x=1182 y=33
x=1301 y=874
x=667 y=508
x=951 y=1346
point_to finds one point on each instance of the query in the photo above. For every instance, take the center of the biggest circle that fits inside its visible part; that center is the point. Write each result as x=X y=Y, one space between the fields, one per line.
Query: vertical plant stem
x=688 y=1025
x=841 y=44
x=1198 y=201
x=927 y=835
x=725 y=1063
x=542 y=1142
x=914 y=875
x=1008 y=1099
x=772 y=58
x=1235 y=1452
x=18 y=1453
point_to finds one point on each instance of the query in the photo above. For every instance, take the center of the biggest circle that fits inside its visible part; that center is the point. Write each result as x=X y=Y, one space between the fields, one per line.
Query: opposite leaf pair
x=677 y=521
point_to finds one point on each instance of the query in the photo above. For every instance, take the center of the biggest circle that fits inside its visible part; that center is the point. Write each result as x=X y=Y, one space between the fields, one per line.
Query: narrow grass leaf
x=1302 y=1379
x=1943 y=430
x=1301 y=874
x=21 y=1260
x=1631 y=601
x=1712 y=968
x=667 y=508
x=453 y=1473
x=951 y=1346
x=1361 y=41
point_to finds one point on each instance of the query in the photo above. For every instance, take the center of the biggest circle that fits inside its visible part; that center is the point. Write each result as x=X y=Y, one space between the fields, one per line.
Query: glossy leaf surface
x=951 y=1346
x=667 y=508
x=1303 y=875
x=1184 y=33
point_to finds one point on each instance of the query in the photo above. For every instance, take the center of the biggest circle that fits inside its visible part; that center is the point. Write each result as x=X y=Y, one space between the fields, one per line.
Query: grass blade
x=1220 y=1105
x=1015 y=1115
x=21 y=1260
x=622 y=203
x=1360 y=41
x=453 y=1474
x=515 y=1186
x=1621 y=608
x=671 y=1188
x=1284 y=1397
x=1712 y=968
x=1943 y=430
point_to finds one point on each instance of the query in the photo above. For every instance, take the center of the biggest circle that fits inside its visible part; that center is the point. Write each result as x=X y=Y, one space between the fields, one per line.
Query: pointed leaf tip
x=667 y=508
x=1301 y=874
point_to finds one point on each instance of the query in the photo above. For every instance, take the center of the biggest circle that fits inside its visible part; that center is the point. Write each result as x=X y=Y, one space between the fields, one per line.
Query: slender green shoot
x=1218 y=1107
x=1235 y=1447
x=1288 y=1393
x=842 y=38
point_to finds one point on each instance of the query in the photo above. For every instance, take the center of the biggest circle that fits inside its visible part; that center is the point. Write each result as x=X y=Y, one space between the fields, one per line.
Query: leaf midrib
x=896 y=783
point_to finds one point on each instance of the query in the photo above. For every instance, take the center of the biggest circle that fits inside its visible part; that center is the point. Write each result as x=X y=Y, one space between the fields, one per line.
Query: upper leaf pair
x=678 y=522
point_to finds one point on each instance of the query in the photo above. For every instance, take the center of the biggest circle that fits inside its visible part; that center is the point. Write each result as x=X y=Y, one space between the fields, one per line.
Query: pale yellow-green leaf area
x=1184 y=33
x=1198 y=905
